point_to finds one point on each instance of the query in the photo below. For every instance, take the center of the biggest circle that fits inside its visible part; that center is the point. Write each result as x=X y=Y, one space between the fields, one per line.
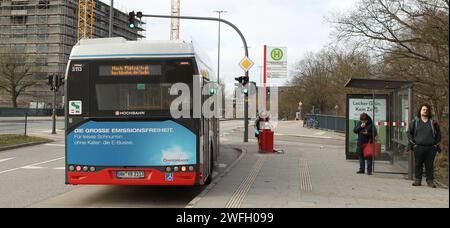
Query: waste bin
x=266 y=141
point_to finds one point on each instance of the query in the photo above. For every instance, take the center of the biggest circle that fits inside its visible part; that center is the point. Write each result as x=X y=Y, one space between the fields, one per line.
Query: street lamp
x=244 y=41
x=218 y=52
x=218 y=44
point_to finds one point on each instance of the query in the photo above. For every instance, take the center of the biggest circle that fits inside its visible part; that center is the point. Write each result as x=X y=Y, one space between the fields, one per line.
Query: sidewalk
x=313 y=175
x=295 y=128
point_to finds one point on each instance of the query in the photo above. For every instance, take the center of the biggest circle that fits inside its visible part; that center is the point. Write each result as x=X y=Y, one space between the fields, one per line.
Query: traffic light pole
x=245 y=48
x=55 y=78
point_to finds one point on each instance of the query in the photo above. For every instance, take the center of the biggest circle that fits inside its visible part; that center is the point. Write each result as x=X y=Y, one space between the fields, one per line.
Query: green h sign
x=277 y=54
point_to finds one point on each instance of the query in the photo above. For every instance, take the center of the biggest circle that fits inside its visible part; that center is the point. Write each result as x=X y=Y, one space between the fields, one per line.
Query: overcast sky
x=298 y=25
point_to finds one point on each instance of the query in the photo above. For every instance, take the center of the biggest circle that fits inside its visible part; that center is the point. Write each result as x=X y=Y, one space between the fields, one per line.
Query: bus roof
x=114 y=48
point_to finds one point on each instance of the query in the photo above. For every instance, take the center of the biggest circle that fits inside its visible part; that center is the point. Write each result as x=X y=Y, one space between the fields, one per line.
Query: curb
x=24 y=145
x=217 y=180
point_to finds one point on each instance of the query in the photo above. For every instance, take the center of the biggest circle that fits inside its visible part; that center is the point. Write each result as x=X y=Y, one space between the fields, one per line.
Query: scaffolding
x=85 y=19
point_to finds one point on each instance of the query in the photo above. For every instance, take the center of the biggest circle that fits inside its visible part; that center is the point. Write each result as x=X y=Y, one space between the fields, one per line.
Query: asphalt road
x=34 y=177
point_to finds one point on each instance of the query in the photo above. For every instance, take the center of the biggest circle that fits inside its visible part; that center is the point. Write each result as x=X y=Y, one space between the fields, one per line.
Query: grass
x=11 y=140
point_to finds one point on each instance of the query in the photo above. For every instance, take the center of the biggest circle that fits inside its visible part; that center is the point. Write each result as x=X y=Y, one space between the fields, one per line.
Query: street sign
x=276 y=62
x=246 y=64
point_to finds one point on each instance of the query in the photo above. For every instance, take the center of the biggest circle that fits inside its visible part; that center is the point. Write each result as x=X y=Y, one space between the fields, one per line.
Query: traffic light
x=132 y=20
x=55 y=81
x=245 y=91
x=243 y=80
x=50 y=81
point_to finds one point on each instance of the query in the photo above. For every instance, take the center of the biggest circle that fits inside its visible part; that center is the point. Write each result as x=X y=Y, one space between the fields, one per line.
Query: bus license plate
x=130 y=174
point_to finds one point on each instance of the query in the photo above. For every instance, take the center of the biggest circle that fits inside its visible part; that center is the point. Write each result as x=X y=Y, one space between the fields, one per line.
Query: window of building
x=44 y=4
x=42 y=48
x=42 y=32
x=18 y=31
x=42 y=61
x=19 y=48
x=19 y=5
x=43 y=19
x=19 y=20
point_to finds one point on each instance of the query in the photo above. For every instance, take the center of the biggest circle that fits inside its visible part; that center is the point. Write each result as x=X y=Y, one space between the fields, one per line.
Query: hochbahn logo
x=129 y=113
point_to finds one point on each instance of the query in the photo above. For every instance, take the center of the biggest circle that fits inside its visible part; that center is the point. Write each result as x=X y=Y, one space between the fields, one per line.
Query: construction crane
x=85 y=19
x=175 y=23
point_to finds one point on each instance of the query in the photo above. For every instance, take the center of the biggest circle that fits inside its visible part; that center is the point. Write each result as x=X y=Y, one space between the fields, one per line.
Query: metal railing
x=327 y=122
x=20 y=112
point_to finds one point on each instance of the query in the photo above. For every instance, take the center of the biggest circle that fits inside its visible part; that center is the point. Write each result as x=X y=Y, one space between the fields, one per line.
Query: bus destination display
x=129 y=70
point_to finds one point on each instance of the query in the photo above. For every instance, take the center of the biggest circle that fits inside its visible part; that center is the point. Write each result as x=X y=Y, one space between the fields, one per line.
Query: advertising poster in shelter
x=357 y=104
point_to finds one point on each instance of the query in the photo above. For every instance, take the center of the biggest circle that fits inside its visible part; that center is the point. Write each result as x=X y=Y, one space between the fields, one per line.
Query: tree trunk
x=14 y=101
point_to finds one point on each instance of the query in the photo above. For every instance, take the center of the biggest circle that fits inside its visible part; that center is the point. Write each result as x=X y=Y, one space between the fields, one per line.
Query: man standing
x=424 y=138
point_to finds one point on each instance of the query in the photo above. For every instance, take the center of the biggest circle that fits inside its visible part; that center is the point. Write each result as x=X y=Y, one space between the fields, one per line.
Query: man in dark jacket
x=424 y=138
x=365 y=130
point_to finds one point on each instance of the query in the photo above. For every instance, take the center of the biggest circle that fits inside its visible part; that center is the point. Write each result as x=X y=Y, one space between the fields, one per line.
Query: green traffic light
x=212 y=91
x=132 y=26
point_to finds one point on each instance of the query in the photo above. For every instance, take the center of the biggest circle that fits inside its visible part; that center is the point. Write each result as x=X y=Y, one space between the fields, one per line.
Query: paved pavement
x=311 y=173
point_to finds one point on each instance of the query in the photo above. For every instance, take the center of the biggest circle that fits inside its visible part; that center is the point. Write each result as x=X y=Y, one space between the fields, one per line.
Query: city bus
x=119 y=128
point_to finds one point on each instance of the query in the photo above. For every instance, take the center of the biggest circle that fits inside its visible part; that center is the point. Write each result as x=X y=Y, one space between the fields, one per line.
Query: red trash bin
x=266 y=141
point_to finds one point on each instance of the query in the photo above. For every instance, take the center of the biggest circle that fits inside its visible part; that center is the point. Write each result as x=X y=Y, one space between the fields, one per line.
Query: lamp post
x=218 y=54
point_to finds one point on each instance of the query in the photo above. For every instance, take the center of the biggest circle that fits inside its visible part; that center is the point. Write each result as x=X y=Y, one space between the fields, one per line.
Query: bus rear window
x=138 y=96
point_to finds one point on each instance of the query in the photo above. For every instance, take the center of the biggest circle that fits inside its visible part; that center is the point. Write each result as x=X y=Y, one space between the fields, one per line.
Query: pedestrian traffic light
x=132 y=20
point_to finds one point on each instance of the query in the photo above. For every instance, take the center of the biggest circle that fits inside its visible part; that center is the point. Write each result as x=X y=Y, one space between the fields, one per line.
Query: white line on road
x=6 y=159
x=50 y=144
x=59 y=168
x=33 y=167
x=35 y=164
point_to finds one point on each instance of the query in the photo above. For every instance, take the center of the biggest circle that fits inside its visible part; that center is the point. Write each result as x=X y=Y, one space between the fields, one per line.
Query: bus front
x=119 y=130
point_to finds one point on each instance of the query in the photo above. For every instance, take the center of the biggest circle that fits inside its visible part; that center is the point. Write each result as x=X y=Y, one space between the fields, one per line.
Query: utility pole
x=111 y=18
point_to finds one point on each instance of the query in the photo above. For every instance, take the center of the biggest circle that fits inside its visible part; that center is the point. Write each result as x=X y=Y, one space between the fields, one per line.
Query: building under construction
x=46 y=31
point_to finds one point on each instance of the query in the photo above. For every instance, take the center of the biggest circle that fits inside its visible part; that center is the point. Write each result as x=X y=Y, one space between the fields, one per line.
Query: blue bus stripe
x=132 y=55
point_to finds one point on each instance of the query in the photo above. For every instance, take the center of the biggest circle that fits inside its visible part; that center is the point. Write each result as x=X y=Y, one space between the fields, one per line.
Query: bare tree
x=16 y=75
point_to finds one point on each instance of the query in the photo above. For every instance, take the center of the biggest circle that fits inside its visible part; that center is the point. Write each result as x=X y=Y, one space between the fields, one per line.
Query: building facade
x=46 y=30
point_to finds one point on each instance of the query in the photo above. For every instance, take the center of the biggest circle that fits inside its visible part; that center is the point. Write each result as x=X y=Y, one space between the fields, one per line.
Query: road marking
x=221 y=165
x=59 y=168
x=6 y=159
x=305 y=176
x=216 y=180
x=239 y=195
x=320 y=133
x=33 y=167
x=50 y=144
x=35 y=164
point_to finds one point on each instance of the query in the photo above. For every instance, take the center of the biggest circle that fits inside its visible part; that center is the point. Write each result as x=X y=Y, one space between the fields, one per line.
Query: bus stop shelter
x=390 y=105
